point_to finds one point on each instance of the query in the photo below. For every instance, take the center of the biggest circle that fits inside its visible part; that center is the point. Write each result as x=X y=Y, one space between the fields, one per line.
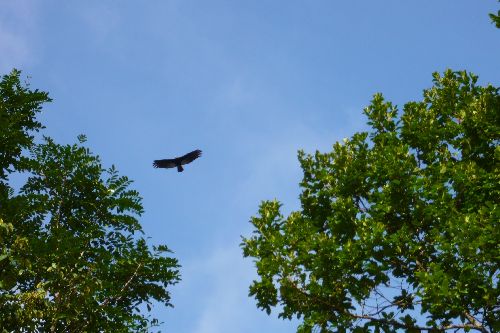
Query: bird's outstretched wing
x=190 y=157
x=167 y=163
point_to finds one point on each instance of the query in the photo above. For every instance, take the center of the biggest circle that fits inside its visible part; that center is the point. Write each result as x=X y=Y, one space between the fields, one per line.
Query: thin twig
x=109 y=299
x=397 y=324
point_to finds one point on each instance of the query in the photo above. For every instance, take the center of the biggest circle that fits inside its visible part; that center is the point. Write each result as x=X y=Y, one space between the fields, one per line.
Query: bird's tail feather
x=180 y=168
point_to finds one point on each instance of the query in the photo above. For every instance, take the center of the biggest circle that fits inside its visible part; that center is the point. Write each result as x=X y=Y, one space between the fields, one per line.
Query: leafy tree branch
x=399 y=226
x=72 y=253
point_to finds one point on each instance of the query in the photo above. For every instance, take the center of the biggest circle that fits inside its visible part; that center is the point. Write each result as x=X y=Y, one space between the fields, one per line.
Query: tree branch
x=474 y=325
x=474 y=322
x=120 y=293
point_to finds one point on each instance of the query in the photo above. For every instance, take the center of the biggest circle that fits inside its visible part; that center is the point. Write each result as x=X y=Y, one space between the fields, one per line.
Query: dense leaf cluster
x=72 y=254
x=396 y=224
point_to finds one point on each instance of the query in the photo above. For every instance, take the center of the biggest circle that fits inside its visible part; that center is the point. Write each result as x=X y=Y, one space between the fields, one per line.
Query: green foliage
x=396 y=224
x=72 y=254
x=18 y=107
x=495 y=18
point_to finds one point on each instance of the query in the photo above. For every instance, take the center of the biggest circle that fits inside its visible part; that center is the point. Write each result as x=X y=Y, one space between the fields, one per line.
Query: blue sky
x=249 y=83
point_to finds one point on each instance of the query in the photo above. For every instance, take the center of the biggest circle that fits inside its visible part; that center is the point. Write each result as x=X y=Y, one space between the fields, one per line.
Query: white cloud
x=14 y=50
x=17 y=34
x=236 y=92
x=224 y=304
x=275 y=170
x=223 y=275
x=226 y=307
x=100 y=18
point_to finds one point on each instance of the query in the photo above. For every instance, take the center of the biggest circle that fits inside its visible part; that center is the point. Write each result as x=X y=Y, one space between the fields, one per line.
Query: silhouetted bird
x=178 y=161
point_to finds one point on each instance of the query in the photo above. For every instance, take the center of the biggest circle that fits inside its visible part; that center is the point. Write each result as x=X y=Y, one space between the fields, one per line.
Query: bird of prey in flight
x=178 y=161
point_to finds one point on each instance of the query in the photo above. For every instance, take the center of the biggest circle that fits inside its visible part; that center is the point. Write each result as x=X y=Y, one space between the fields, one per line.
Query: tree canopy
x=73 y=256
x=399 y=226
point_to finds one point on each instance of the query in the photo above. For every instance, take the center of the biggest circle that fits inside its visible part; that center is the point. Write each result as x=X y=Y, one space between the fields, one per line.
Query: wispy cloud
x=223 y=276
x=13 y=48
x=223 y=309
x=17 y=34
x=226 y=307
x=100 y=19
x=275 y=171
x=236 y=92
